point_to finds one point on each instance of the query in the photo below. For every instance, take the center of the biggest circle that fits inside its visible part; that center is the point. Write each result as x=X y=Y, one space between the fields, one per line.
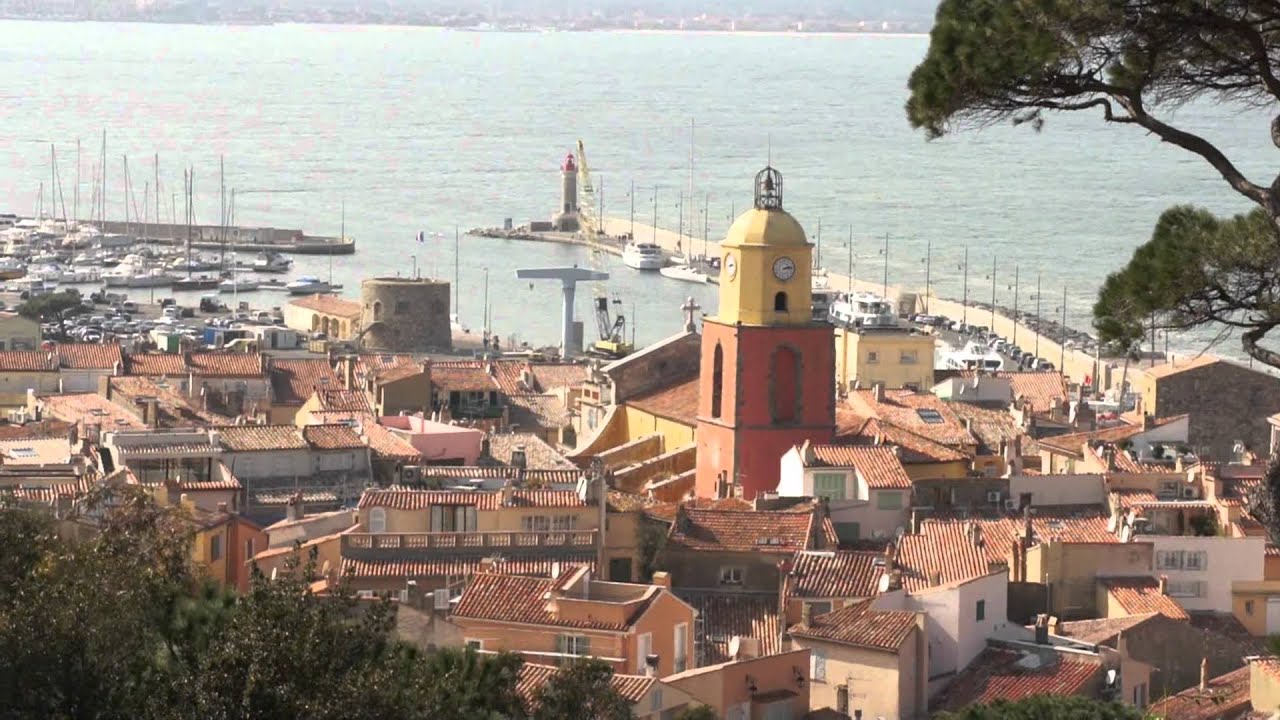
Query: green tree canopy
x=581 y=690
x=53 y=307
x=1039 y=707
x=1133 y=62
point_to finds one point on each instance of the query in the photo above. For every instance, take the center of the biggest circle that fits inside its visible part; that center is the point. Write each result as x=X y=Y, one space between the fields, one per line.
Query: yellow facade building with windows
x=895 y=357
x=337 y=318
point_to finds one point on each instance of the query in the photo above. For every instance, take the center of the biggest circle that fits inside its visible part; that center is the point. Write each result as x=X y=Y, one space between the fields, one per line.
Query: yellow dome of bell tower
x=765 y=263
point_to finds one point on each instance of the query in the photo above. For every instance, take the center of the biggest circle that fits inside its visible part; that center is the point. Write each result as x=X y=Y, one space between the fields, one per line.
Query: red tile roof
x=396 y=498
x=546 y=412
x=903 y=409
x=1103 y=630
x=1073 y=443
x=90 y=356
x=1223 y=696
x=462 y=377
x=666 y=511
x=461 y=566
x=397 y=373
x=155 y=364
x=225 y=364
x=519 y=377
x=532 y=678
x=328 y=305
x=174 y=407
x=859 y=625
x=1005 y=675
x=678 y=403
x=89 y=409
x=333 y=437
x=249 y=438
x=387 y=444
x=338 y=399
x=27 y=361
x=372 y=363
x=524 y=600
x=293 y=381
x=989 y=426
x=1138 y=595
x=725 y=615
x=538 y=454
x=1043 y=390
x=853 y=429
x=878 y=465
x=837 y=574
x=749 y=531
x=942 y=557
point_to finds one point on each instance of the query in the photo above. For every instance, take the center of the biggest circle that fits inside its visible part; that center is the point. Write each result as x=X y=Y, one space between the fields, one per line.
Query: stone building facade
x=405 y=314
x=1227 y=403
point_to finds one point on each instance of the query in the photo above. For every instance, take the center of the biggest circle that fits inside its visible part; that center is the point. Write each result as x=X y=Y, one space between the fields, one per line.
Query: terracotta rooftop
x=1072 y=443
x=666 y=511
x=750 y=531
x=250 y=438
x=853 y=429
x=155 y=364
x=336 y=398
x=294 y=380
x=1043 y=390
x=89 y=409
x=725 y=615
x=90 y=356
x=538 y=454
x=1006 y=675
x=397 y=498
x=387 y=444
x=989 y=426
x=1102 y=631
x=333 y=437
x=922 y=413
x=1139 y=595
x=174 y=407
x=522 y=599
x=859 y=625
x=1179 y=366
x=532 y=678
x=878 y=465
x=462 y=377
x=678 y=402
x=328 y=305
x=46 y=494
x=461 y=566
x=27 y=361
x=48 y=427
x=541 y=411
x=519 y=377
x=942 y=557
x=837 y=574
x=1223 y=696
x=226 y=364
x=38 y=451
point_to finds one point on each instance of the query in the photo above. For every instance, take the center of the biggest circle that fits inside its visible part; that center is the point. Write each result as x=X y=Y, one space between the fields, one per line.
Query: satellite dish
x=884 y=583
x=735 y=644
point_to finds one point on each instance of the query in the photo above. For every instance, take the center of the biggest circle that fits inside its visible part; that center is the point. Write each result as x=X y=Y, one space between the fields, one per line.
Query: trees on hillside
x=120 y=625
x=1132 y=62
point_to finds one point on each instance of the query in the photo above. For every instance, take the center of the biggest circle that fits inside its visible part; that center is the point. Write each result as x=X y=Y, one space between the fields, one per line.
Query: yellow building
x=18 y=333
x=23 y=370
x=337 y=318
x=894 y=357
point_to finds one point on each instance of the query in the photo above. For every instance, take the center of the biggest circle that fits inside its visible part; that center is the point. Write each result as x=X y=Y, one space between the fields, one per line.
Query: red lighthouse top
x=569 y=164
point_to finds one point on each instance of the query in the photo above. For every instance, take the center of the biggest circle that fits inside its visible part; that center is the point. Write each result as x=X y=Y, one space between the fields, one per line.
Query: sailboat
x=685 y=272
x=234 y=284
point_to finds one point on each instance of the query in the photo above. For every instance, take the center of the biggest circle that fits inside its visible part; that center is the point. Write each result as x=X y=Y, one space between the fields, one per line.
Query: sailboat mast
x=53 y=184
x=222 y=190
x=126 y=194
x=191 y=181
x=102 y=192
x=691 y=200
x=75 y=194
x=155 y=164
x=456 y=283
x=61 y=198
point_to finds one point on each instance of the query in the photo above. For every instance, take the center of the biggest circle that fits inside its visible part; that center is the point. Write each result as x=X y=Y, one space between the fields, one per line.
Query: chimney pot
x=661 y=578
x=1204 y=674
x=806 y=615
x=877 y=391
x=1164 y=584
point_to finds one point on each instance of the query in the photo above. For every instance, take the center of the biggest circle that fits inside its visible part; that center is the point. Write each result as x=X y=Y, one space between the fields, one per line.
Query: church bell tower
x=768 y=370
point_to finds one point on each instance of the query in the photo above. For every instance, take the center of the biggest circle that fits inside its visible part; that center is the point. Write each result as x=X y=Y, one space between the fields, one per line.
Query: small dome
x=766 y=227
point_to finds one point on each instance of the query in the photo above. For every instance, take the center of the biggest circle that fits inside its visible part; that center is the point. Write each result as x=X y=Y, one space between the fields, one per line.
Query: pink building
x=439 y=443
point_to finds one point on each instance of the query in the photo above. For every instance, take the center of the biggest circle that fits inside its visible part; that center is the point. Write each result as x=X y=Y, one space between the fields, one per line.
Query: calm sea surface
x=424 y=129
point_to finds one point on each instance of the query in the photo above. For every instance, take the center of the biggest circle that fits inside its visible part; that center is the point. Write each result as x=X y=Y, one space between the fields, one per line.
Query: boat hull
x=683 y=274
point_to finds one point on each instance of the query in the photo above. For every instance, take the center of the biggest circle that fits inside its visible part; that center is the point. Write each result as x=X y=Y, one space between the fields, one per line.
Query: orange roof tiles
x=538 y=454
x=89 y=409
x=328 y=305
x=397 y=498
x=909 y=410
x=666 y=511
x=1043 y=390
x=27 y=361
x=878 y=465
x=998 y=675
x=989 y=426
x=547 y=412
x=860 y=626
x=748 y=531
x=459 y=377
x=532 y=678
x=944 y=558
x=294 y=380
x=728 y=614
x=339 y=399
x=1073 y=443
x=834 y=575
x=1223 y=696
x=155 y=364
x=1103 y=630
x=678 y=402
x=385 y=443
x=1139 y=595
x=251 y=438
x=90 y=356
x=333 y=437
x=174 y=407
x=226 y=364
x=521 y=599
x=852 y=429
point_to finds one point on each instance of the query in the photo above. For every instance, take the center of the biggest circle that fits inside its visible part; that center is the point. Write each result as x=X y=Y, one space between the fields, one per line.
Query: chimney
x=1148 y=421
x=1164 y=585
x=1177 y=461
x=915 y=521
x=1028 y=531
x=1204 y=674
x=661 y=578
x=489 y=565
x=968 y=425
x=806 y=614
x=347 y=364
x=485 y=446
x=935 y=578
x=890 y=557
x=1016 y=552
x=1055 y=625
x=1042 y=629
x=518 y=457
x=807 y=455
x=975 y=534
x=877 y=391
x=293 y=509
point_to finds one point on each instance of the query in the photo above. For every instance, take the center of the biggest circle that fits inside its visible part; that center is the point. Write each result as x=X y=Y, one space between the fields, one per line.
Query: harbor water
x=390 y=131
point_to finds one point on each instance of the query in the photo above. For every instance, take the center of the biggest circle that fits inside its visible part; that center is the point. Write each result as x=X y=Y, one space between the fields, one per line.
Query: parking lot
x=1021 y=356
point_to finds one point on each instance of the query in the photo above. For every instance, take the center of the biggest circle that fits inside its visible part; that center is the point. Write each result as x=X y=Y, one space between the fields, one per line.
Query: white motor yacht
x=643 y=256
x=238 y=285
x=308 y=285
x=974 y=356
x=862 y=309
x=685 y=273
x=270 y=262
x=148 y=278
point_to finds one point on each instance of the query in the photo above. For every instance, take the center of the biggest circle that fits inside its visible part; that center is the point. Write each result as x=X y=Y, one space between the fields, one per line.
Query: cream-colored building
x=894 y=357
x=18 y=333
x=337 y=318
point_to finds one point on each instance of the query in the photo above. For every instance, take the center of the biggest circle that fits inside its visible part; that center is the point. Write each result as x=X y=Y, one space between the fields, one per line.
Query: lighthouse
x=566 y=218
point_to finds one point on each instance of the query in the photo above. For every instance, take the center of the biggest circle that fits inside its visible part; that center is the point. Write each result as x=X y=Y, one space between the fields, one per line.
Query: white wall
x=975 y=390
x=792 y=477
x=1059 y=489
x=1170 y=435
x=296 y=463
x=78 y=381
x=955 y=635
x=1225 y=560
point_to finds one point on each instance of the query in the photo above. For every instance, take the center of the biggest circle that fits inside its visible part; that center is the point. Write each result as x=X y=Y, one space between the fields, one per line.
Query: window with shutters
x=1194 y=560
x=453 y=518
x=731 y=575
x=830 y=486
x=888 y=500
x=1186 y=588
x=817 y=665
x=576 y=645
x=681 y=642
x=215 y=547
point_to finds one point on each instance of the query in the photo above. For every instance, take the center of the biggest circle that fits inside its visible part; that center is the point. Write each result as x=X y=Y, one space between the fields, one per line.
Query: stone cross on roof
x=690 y=307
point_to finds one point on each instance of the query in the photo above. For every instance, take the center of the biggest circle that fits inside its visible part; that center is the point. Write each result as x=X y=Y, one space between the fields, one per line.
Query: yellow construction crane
x=587 y=220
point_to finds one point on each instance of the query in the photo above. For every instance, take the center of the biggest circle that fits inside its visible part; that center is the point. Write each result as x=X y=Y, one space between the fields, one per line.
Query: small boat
x=686 y=273
x=11 y=269
x=271 y=262
x=238 y=285
x=643 y=256
x=199 y=282
x=308 y=285
x=154 y=277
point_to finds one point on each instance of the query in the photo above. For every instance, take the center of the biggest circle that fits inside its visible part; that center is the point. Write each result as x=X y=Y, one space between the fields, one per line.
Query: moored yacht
x=642 y=256
x=308 y=285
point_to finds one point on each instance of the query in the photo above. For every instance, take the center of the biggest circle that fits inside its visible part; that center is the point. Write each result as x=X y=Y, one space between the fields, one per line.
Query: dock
x=233 y=238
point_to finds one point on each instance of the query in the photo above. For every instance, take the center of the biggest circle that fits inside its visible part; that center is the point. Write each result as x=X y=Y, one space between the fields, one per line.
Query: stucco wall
x=1227 y=560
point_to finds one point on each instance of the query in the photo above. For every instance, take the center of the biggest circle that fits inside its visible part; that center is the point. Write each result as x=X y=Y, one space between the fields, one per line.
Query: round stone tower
x=405 y=314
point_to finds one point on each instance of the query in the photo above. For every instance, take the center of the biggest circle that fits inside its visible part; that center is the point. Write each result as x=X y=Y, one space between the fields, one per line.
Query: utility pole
x=632 y=194
x=75 y=195
x=993 y=294
x=680 y=225
x=655 y=214
x=1015 y=305
x=851 y=259
x=928 y=268
x=964 y=317
x=1037 y=326
x=885 y=293
x=706 y=223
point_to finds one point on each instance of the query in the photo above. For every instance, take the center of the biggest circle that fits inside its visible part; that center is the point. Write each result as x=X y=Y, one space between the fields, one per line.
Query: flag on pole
x=422 y=236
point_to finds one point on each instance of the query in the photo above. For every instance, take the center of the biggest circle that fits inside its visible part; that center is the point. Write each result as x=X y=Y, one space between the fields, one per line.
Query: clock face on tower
x=731 y=266
x=784 y=268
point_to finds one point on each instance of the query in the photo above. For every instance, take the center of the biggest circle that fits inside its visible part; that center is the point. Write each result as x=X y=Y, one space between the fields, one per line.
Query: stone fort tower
x=405 y=314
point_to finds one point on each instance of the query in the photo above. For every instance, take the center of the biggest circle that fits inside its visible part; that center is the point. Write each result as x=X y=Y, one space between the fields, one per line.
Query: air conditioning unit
x=411 y=473
x=1010 y=504
x=1189 y=493
x=993 y=496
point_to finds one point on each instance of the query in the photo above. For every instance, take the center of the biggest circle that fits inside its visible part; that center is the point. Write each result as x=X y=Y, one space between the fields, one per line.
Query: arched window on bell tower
x=785 y=388
x=780 y=302
x=717 y=380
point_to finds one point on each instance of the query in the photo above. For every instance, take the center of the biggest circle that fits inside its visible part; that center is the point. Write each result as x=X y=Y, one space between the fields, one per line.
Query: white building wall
x=955 y=634
x=791 y=477
x=1205 y=582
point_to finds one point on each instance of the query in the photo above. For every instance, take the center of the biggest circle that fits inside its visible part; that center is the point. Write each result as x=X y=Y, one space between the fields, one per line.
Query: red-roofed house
x=873 y=661
x=1014 y=674
x=825 y=580
x=82 y=364
x=337 y=317
x=233 y=383
x=293 y=381
x=867 y=489
x=23 y=370
x=550 y=619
